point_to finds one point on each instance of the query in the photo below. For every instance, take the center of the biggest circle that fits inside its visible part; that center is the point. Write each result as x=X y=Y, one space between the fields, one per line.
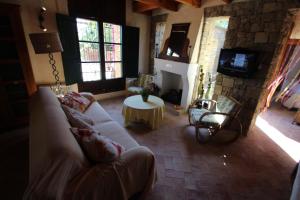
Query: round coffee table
x=150 y=112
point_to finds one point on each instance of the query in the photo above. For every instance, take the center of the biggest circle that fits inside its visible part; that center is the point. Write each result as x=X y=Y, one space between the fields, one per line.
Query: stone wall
x=255 y=25
x=213 y=38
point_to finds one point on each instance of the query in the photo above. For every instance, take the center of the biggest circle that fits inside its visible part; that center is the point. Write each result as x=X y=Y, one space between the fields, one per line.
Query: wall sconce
x=42 y=18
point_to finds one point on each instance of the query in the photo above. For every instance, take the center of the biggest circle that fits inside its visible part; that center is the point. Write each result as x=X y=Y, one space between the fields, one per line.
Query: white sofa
x=60 y=170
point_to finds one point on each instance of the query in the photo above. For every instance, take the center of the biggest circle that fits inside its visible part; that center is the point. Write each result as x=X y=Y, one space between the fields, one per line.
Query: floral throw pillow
x=97 y=148
x=76 y=118
x=75 y=101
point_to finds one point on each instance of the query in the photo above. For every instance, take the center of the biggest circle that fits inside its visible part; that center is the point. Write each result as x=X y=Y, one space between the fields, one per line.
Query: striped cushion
x=196 y=114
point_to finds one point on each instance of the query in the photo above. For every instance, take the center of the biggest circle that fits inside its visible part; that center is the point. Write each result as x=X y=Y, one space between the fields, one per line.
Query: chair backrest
x=144 y=80
x=228 y=105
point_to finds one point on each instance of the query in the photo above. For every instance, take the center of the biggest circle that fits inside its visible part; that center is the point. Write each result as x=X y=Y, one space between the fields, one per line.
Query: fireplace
x=176 y=75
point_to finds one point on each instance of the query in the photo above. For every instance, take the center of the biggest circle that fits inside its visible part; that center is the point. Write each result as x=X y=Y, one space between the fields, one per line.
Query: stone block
x=238 y=82
x=219 y=77
x=227 y=8
x=226 y=91
x=242 y=34
x=256 y=27
x=228 y=82
x=271 y=7
x=218 y=89
x=233 y=23
x=272 y=27
x=261 y=37
x=273 y=37
x=268 y=17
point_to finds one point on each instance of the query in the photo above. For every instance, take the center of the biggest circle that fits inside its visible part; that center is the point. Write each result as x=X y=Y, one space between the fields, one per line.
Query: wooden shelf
x=7 y=39
x=15 y=66
x=19 y=101
x=9 y=61
x=12 y=82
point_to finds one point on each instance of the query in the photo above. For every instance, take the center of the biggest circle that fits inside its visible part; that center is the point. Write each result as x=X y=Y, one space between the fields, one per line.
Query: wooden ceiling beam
x=195 y=3
x=165 y=4
x=227 y=1
x=169 y=5
x=142 y=7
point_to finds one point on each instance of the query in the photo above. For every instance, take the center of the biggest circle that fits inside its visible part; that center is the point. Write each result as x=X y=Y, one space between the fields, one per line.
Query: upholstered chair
x=137 y=85
x=214 y=115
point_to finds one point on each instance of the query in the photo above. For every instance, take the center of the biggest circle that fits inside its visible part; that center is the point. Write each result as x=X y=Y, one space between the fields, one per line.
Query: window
x=112 y=51
x=89 y=45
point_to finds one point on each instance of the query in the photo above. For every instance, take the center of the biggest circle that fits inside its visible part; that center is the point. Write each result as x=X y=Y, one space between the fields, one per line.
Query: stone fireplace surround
x=186 y=71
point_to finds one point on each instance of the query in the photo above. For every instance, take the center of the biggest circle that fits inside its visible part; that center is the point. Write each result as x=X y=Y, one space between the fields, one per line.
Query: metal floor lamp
x=48 y=43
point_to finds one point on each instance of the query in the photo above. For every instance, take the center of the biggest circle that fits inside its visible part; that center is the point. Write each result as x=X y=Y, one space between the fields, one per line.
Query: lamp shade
x=46 y=42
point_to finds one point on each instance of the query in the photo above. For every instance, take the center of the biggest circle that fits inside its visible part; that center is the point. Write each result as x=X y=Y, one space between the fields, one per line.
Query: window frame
x=113 y=43
x=90 y=42
x=102 y=59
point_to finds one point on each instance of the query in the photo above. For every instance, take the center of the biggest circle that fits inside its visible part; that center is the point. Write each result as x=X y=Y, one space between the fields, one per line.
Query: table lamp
x=48 y=43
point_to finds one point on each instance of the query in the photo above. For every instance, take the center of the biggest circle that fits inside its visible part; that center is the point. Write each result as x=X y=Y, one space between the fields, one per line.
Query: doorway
x=279 y=121
x=213 y=38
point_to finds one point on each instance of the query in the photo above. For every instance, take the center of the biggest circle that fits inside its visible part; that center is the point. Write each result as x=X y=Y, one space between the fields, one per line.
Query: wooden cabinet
x=16 y=78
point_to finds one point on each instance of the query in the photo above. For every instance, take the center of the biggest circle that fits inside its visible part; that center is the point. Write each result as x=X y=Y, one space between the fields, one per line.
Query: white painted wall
x=296 y=31
x=41 y=69
x=144 y=23
x=187 y=14
x=29 y=11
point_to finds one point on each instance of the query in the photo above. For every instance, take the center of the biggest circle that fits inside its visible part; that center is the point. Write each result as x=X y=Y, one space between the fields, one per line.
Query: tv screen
x=237 y=62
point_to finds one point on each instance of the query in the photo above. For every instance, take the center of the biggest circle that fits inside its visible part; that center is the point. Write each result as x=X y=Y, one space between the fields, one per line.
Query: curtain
x=292 y=77
x=290 y=58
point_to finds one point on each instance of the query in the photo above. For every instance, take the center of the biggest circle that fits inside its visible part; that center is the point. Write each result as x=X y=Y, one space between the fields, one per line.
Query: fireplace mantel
x=185 y=70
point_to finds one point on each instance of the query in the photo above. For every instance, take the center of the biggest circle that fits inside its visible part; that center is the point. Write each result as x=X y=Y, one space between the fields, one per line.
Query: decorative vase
x=145 y=98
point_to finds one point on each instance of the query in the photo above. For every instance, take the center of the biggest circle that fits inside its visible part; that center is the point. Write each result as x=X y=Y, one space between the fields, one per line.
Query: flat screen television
x=238 y=62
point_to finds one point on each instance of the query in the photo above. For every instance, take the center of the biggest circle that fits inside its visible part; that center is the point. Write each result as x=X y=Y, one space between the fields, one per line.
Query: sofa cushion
x=75 y=101
x=225 y=104
x=76 y=118
x=116 y=132
x=213 y=119
x=135 y=90
x=97 y=148
x=97 y=113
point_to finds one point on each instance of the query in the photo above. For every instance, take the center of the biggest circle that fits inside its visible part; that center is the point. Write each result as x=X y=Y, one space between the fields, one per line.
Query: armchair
x=137 y=85
x=214 y=115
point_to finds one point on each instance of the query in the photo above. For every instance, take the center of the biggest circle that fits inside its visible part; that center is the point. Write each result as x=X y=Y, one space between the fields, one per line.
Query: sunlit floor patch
x=291 y=147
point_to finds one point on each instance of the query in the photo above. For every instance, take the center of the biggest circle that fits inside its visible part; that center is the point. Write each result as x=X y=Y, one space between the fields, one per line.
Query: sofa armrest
x=137 y=167
x=133 y=173
x=88 y=95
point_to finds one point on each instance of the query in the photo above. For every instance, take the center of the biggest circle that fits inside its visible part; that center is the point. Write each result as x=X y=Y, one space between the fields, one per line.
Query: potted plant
x=145 y=94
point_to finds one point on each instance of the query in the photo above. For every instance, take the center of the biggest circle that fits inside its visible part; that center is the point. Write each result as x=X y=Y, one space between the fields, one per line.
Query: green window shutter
x=71 y=55
x=131 y=51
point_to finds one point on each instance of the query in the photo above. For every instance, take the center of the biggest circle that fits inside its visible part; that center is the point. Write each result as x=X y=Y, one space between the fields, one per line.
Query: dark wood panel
x=86 y=8
x=17 y=83
x=131 y=51
x=112 y=11
x=103 y=86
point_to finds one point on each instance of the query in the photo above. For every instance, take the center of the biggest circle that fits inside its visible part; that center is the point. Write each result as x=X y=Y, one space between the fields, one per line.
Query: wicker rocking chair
x=214 y=115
